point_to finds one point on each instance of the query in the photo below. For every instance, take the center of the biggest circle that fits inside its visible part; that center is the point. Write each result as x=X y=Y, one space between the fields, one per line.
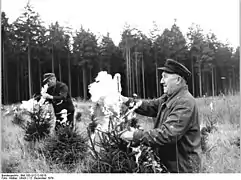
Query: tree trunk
x=22 y=79
x=108 y=67
x=230 y=82
x=127 y=72
x=133 y=76
x=157 y=81
x=137 y=79
x=52 y=58
x=215 y=81
x=131 y=79
x=25 y=89
x=193 y=75
x=29 y=68
x=26 y=84
x=60 y=72
x=6 y=81
x=5 y=77
x=39 y=73
x=200 y=79
x=139 y=75
x=205 y=82
x=128 y=75
x=101 y=63
x=90 y=74
x=213 y=94
x=69 y=75
x=209 y=88
x=84 y=82
x=143 y=77
x=78 y=79
x=212 y=73
x=233 y=77
x=18 y=79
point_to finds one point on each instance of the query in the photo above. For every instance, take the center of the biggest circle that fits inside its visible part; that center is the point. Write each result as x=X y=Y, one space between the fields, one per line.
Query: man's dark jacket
x=176 y=133
x=61 y=98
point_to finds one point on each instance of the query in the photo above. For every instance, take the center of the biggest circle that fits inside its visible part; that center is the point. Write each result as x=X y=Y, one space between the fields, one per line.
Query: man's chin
x=165 y=90
x=51 y=85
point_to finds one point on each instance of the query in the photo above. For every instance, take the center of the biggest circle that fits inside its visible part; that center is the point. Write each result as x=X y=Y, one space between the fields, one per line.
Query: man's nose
x=162 y=81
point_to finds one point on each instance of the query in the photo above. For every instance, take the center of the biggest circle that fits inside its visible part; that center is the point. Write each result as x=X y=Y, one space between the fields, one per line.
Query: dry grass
x=18 y=155
x=223 y=153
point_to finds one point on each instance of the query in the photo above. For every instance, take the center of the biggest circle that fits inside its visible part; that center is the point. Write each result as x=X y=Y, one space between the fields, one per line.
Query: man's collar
x=176 y=94
x=53 y=86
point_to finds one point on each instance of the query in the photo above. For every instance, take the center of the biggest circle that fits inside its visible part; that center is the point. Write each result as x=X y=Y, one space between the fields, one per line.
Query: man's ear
x=179 y=80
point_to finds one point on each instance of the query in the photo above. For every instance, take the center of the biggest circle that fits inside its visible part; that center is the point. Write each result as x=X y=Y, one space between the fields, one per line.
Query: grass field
x=222 y=154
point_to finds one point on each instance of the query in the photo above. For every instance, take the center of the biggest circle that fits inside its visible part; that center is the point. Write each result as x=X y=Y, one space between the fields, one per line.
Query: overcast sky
x=102 y=16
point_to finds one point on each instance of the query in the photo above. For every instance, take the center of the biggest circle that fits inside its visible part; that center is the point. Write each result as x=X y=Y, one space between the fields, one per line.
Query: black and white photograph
x=119 y=86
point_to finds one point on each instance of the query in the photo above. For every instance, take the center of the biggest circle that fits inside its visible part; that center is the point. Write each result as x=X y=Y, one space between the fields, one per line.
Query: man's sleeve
x=148 y=107
x=171 y=130
x=63 y=92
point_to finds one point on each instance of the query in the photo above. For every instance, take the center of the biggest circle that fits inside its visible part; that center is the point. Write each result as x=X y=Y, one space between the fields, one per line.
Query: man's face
x=52 y=81
x=170 y=82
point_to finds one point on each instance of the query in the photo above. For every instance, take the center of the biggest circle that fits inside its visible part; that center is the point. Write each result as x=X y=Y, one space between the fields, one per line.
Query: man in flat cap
x=58 y=95
x=176 y=134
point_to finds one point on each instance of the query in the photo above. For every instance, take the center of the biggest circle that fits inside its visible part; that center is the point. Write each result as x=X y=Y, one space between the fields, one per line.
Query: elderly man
x=176 y=134
x=58 y=95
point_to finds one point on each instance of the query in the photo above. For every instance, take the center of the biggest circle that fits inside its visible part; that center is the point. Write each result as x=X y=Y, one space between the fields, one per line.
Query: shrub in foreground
x=66 y=148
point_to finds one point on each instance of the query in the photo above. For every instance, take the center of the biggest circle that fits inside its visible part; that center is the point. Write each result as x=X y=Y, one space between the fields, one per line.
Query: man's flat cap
x=47 y=76
x=174 y=67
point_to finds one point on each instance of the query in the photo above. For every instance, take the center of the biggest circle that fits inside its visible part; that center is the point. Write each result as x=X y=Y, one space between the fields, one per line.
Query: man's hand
x=124 y=99
x=47 y=96
x=128 y=135
x=138 y=103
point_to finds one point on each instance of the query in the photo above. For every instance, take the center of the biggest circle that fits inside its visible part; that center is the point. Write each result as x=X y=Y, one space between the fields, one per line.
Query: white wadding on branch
x=31 y=103
x=43 y=91
x=105 y=94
